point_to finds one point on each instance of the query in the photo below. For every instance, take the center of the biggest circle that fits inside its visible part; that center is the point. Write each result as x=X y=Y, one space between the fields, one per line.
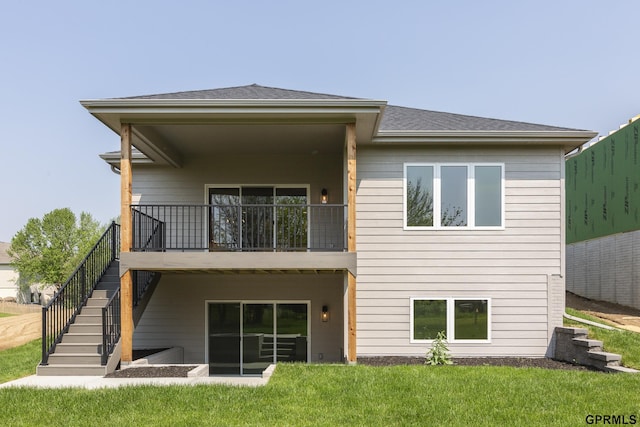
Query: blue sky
x=567 y=63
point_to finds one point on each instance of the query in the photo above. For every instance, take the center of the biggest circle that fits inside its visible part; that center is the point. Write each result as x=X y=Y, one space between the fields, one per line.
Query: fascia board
x=568 y=139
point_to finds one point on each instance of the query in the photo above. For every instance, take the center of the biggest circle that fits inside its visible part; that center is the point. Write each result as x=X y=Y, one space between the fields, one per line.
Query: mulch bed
x=180 y=371
x=152 y=372
x=518 y=362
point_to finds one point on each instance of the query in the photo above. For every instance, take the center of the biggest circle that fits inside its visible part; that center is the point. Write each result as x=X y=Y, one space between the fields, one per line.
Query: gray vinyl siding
x=176 y=314
x=186 y=185
x=513 y=267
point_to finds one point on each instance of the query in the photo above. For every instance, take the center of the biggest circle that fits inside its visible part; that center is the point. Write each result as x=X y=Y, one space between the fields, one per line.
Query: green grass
x=625 y=343
x=6 y=314
x=330 y=395
x=20 y=361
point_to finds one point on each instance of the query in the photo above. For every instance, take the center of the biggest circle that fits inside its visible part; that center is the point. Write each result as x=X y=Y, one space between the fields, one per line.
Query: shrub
x=439 y=352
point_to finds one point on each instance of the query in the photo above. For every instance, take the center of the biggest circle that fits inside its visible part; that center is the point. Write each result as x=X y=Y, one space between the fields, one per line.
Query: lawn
x=625 y=343
x=300 y=394
x=344 y=395
x=6 y=314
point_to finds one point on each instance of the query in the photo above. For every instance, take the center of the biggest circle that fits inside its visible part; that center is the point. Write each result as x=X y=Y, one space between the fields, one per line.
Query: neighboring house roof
x=4 y=256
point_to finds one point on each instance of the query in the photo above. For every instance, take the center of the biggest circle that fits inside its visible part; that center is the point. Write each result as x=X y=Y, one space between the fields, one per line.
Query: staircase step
x=77 y=348
x=82 y=338
x=91 y=311
x=605 y=357
x=74 y=359
x=102 y=293
x=594 y=345
x=71 y=370
x=88 y=328
x=97 y=302
x=88 y=319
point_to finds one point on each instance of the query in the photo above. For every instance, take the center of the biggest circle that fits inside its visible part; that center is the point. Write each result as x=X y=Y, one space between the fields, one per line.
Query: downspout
x=115 y=169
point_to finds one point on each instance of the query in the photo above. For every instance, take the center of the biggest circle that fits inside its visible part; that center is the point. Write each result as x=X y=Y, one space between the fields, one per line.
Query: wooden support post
x=351 y=236
x=126 y=281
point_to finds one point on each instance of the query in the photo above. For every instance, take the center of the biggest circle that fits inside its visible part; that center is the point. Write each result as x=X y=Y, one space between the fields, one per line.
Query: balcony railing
x=270 y=227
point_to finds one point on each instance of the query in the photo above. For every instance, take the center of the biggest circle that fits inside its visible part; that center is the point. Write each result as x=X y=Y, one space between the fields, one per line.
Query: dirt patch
x=19 y=329
x=619 y=315
x=518 y=362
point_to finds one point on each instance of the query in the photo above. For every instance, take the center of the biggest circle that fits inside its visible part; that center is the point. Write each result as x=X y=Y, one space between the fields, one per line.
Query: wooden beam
x=126 y=281
x=351 y=237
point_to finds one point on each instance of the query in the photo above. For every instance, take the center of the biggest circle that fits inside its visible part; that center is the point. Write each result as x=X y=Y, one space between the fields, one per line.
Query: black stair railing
x=67 y=302
x=110 y=326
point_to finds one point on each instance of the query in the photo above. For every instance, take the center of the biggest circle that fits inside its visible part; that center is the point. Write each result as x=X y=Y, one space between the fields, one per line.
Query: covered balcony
x=240 y=227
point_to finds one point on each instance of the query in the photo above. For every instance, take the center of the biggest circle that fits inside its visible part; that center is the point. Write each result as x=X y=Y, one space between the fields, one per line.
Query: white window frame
x=437 y=192
x=450 y=319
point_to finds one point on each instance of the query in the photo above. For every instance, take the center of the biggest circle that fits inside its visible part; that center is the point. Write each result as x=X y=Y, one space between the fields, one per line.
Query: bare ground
x=19 y=329
x=619 y=315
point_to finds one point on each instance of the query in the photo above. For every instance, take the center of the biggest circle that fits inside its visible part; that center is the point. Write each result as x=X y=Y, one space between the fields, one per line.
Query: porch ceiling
x=195 y=139
x=168 y=130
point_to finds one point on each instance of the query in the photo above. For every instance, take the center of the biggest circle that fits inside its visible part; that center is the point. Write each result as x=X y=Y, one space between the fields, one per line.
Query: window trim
x=450 y=320
x=437 y=188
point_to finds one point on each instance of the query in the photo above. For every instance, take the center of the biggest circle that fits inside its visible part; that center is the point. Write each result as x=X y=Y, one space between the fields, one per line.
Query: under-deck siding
x=512 y=267
x=176 y=314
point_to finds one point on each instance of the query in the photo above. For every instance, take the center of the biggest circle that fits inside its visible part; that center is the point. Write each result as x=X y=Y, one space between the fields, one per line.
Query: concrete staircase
x=79 y=352
x=574 y=346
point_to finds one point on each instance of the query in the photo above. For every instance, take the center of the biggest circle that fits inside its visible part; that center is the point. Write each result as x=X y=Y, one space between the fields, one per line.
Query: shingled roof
x=4 y=256
x=253 y=91
x=395 y=118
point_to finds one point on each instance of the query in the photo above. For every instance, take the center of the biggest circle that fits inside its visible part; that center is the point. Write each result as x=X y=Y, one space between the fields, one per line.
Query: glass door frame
x=274 y=187
x=242 y=303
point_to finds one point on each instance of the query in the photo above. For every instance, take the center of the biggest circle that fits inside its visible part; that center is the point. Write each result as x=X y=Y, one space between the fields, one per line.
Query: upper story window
x=453 y=196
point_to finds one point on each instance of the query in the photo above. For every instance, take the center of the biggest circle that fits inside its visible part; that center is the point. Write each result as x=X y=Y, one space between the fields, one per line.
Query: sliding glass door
x=258 y=218
x=244 y=338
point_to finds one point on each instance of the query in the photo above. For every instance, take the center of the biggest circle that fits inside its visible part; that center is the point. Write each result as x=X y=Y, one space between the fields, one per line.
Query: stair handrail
x=60 y=312
x=111 y=326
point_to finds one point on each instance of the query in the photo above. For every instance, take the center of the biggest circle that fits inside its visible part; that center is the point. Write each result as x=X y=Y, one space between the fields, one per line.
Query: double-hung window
x=443 y=195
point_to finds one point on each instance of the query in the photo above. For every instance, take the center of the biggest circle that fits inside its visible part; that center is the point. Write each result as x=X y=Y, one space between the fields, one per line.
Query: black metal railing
x=66 y=303
x=249 y=227
x=148 y=232
x=110 y=326
x=141 y=281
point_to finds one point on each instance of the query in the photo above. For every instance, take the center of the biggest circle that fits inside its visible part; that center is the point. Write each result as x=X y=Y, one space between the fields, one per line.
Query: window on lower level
x=453 y=195
x=461 y=319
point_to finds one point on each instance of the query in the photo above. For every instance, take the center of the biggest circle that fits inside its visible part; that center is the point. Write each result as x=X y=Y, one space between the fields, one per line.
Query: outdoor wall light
x=325 y=313
x=325 y=196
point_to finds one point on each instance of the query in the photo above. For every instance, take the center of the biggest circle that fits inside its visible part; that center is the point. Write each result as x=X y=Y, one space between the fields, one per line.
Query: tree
x=47 y=250
x=420 y=208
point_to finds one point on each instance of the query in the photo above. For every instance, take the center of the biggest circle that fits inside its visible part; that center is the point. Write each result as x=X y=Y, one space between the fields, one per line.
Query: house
x=284 y=225
x=8 y=275
x=603 y=218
